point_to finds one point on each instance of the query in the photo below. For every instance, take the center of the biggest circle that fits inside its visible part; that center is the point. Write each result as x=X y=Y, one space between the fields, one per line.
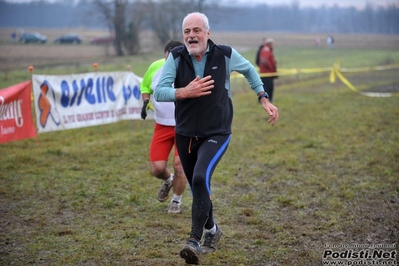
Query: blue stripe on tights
x=213 y=162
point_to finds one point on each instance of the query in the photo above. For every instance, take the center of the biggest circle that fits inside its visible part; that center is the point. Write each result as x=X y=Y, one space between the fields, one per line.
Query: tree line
x=126 y=19
x=379 y=20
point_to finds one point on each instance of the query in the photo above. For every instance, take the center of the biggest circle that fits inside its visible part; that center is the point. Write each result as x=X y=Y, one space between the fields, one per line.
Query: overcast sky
x=319 y=3
x=302 y=3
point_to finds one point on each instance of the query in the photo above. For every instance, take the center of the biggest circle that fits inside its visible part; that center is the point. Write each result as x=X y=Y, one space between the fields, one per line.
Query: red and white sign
x=16 y=119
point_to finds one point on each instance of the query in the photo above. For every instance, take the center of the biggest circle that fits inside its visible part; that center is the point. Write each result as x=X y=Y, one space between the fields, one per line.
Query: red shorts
x=162 y=143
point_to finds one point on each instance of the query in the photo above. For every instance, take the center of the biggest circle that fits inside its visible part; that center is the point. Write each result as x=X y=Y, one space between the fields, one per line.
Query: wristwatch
x=263 y=95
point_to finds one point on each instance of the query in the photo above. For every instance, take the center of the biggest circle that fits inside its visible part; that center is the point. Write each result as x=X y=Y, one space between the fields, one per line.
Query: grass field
x=326 y=174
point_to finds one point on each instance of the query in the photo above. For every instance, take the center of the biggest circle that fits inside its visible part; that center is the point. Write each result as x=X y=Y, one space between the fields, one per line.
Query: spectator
x=258 y=52
x=163 y=138
x=200 y=71
x=330 y=42
x=13 y=37
x=268 y=67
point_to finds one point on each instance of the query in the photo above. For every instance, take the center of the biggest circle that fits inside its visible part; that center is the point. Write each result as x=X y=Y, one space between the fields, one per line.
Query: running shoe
x=174 y=207
x=211 y=240
x=191 y=252
x=163 y=193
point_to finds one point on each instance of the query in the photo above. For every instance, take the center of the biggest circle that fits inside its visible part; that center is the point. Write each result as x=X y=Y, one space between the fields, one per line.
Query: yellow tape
x=365 y=69
x=332 y=75
x=344 y=80
x=315 y=70
x=335 y=71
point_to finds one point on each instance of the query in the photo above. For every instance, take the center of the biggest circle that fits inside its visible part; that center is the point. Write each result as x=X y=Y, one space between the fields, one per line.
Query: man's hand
x=196 y=88
x=144 y=109
x=271 y=110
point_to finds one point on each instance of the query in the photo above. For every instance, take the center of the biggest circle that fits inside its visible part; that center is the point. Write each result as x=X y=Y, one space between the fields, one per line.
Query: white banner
x=82 y=100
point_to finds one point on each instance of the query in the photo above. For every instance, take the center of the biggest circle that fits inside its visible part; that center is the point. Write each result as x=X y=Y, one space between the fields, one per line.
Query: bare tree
x=136 y=17
x=165 y=16
x=119 y=22
x=126 y=28
x=132 y=39
x=125 y=18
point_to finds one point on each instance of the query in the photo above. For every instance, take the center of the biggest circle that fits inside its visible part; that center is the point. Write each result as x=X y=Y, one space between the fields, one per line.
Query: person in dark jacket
x=200 y=71
x=268 y=67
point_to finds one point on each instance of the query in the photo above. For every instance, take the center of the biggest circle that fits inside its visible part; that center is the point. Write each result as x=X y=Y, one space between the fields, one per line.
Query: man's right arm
x=164 y=90
x=166 y=93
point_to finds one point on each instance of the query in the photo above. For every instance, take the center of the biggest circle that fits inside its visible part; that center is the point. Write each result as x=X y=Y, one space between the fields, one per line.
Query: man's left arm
x=243 y=66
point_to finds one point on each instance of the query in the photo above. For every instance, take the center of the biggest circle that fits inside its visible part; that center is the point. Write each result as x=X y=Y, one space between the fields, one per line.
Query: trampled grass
x=326 y=174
